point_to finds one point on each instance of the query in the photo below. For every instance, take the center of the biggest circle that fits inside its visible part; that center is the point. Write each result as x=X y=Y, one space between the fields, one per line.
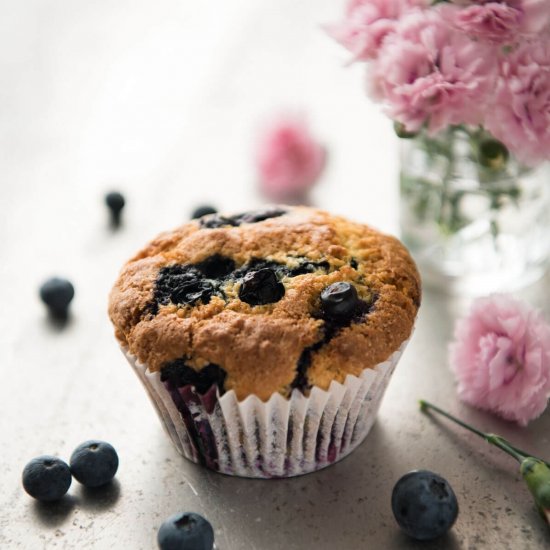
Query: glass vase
x=475 y=219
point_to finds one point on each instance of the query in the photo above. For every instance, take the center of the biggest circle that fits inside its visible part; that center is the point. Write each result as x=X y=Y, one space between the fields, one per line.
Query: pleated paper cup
x=281 y=437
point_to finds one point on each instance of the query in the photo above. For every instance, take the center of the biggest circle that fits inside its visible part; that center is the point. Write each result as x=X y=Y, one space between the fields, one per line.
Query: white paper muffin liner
x=281 y=437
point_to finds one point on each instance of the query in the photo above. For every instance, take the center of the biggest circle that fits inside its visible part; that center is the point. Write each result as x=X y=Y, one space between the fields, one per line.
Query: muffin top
x=266 y=301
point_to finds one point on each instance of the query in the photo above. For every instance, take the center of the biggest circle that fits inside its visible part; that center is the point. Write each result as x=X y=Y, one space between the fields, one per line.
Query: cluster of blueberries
x=340 y=305
x=259 y=278
x=93 y=463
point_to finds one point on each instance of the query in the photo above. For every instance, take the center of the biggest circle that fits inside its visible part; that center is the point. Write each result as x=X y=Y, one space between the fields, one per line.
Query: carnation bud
x=536 y=474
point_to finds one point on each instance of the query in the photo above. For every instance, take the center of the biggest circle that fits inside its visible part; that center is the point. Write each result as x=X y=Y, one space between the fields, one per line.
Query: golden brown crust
x=260 y=347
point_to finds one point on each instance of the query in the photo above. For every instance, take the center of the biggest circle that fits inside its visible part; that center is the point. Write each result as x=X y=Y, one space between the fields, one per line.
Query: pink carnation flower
x=289 y=160
x=501 y=358
x=367 y=23
x=495 y=22
x=520 y=117
x=500 y=22
x=428 y=73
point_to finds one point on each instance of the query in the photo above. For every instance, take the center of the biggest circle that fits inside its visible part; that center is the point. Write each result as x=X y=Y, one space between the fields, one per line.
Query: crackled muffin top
x=266 y=301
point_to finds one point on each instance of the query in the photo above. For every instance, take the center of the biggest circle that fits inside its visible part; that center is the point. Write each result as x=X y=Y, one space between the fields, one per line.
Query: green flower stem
x=448 y=217
x=446 y=200
x=442 y=200
x=535 y=471
x=425 y=406
x=536 y=457
x=493 y=439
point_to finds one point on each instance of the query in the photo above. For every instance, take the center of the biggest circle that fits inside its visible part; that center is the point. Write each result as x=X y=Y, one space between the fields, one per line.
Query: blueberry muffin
x=286 y=301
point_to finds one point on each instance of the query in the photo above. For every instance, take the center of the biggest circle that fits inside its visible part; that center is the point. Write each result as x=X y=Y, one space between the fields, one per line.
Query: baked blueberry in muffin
x=265 y=302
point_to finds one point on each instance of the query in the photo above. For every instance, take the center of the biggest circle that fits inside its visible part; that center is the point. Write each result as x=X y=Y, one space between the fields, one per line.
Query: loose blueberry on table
x=424 y=505
x=57 y=294
x=186 y=531
x=46 y=478
x=115 y=203
x=94 y=463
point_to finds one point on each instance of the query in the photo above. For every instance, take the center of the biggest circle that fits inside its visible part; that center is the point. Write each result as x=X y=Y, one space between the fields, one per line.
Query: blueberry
x=178 y=374
x=424 y=505
x=283 y=270
x=256 y=216
x=203 y=210
x=307 y=266
x=215 y=220
x=261 y=287
x=94 y=463
x=191 y=292
x=186 y=531
x=182 y=284
x=115 y=202
x=255 y=264
x=339 y=300
x=301 y=381
x=216 y=266
x=209 y=376
x=46 y=478
x=57 y=294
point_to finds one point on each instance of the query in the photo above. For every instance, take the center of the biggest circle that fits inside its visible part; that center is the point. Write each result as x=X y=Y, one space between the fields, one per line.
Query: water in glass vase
x=475 y=219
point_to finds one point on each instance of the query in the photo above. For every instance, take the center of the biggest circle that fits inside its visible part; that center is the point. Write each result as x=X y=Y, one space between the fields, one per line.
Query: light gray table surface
x=161 y=99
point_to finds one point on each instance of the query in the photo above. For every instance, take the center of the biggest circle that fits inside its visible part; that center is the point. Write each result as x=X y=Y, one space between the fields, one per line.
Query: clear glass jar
x=475 y=219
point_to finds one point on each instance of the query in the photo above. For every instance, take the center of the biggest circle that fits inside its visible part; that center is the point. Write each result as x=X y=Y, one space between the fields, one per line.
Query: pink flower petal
x=520 y=116
x=429 y=73
x=368 y=22
x=500 y=357
x=288 y=159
